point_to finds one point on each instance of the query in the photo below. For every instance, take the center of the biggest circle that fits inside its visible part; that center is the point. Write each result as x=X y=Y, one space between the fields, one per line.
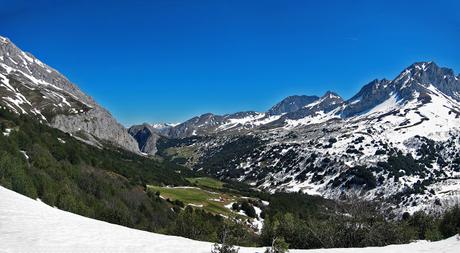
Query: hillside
x=32 y=226
x=28 y=86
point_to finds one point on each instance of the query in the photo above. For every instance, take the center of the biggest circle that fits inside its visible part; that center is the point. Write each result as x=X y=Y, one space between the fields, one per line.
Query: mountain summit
x=291 y=104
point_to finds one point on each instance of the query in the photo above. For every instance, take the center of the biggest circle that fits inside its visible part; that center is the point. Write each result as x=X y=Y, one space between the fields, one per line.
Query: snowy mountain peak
x=420 y=76
x=423 y=65
x=332 y=95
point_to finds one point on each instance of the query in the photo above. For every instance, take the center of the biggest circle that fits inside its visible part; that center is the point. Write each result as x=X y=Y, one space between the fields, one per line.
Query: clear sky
x=165 y=61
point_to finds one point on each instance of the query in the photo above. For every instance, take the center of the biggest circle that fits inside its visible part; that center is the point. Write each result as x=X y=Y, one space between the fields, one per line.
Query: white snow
x=161 y=126
x=318 y=117
x=250 y=121
x=27 y=225
x=195 y=205
x=258 y=222
x=25 y=154
x=387 y=105
x=28 y=58
x=7 y=132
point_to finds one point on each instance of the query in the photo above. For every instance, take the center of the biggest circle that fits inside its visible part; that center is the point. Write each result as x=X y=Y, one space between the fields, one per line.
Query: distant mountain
x=28 y=86
x=291 y=104
x=146 y=136
x=304 y=110
x=322 y=105
x=395 y=140
x=208 y=124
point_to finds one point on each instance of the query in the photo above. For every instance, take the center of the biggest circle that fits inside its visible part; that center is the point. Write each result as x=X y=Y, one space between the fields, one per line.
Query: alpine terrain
x=396 y=141
x=28 y=86
x=379 y=169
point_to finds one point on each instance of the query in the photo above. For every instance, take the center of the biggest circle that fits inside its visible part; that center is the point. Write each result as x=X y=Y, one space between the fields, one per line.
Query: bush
x=278 y=246
x=423 y=224
x=450 y=222
x=248 y=209
x=224 y=248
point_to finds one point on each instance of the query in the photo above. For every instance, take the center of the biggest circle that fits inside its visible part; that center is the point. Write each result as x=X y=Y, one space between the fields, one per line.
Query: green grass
x=206 y=182
x=198 y=197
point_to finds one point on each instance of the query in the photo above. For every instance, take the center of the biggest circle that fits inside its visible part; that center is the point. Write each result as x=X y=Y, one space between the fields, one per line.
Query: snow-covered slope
x=27 y=225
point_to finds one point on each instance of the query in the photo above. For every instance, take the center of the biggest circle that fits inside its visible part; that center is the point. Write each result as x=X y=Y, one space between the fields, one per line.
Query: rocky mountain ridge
x=28 y=86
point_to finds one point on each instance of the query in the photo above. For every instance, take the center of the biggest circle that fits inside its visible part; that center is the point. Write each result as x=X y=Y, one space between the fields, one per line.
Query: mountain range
x=395 y=140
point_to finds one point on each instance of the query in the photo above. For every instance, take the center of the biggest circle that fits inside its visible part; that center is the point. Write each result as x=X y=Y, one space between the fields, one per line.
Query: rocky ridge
x=28 y=86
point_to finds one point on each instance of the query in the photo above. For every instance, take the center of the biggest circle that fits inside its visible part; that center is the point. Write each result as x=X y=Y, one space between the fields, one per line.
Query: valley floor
x=27 y=225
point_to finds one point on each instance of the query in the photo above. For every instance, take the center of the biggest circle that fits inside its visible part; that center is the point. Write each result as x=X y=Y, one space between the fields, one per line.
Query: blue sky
x=165 y=61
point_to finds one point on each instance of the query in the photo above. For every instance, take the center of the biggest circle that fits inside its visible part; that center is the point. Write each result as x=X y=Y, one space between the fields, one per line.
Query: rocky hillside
x=395 y=140
x=28 y=86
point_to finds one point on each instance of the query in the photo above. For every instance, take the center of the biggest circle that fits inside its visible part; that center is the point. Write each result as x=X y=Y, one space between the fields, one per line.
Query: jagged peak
x=428 y=73
x=331 y=95
x=291 y=103
x=425 y=66
x=298 y=97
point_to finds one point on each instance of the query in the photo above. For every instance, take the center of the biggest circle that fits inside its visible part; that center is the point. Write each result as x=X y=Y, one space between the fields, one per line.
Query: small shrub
x=279 y=245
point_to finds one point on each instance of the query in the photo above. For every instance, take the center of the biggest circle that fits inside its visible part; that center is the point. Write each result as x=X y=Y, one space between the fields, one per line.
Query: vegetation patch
x=206 y=182
x=213 y=202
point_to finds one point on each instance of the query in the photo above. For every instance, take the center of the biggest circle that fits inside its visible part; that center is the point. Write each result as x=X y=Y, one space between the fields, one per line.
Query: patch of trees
x=164 y=143
x=246 y=207
x=225 y=157
x=356 y=224
x=400 y=164
x=358 y=176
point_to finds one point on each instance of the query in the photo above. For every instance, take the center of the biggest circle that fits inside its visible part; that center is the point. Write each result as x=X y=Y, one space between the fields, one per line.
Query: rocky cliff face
x=146 y=136
x=28 y=86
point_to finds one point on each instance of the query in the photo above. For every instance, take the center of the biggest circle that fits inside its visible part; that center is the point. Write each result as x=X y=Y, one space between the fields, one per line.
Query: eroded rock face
x=28 y=86
x=99 y=123
x=146 y=137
